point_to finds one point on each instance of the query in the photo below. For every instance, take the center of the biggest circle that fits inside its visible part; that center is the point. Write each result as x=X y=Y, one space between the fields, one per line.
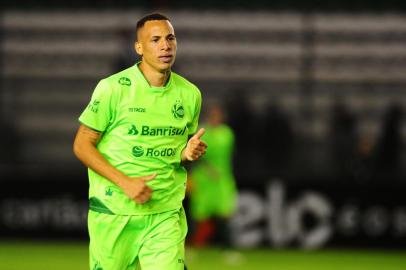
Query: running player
x=133 y=137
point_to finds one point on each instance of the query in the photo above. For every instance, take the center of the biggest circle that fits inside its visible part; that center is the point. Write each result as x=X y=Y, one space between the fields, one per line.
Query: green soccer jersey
x=144 y=129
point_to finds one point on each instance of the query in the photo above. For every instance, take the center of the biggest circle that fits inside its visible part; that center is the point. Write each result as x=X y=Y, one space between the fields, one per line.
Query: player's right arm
x=86 y=151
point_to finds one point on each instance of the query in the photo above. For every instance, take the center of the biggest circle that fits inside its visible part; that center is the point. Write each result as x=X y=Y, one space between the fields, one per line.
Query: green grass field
x=73 y=256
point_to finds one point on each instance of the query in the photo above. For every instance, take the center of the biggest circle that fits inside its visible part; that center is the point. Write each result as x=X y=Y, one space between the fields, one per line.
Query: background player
x=133 y=137
x=213 y=189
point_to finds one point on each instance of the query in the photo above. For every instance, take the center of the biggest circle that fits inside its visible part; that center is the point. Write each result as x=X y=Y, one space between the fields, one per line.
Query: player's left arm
x=195 y=147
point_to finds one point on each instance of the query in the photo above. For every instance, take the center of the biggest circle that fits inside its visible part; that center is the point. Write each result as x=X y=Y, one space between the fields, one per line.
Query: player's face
x=157 y=44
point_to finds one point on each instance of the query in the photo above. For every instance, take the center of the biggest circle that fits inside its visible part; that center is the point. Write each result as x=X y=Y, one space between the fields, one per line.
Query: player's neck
x=155 y=78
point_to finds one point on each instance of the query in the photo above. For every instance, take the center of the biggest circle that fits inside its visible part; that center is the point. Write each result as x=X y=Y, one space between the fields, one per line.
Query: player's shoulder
x=185 y=83
x=120 y=79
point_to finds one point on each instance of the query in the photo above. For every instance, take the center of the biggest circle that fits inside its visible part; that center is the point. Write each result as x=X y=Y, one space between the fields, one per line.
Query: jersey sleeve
x=98 y=113
x=192 y=126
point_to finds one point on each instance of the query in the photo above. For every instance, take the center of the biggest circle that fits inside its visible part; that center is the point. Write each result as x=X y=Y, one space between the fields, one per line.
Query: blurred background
x=315 y=93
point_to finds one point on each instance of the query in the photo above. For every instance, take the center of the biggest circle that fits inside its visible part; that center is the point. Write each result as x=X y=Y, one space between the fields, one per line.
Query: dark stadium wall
x=274 y=214
x=291 y=5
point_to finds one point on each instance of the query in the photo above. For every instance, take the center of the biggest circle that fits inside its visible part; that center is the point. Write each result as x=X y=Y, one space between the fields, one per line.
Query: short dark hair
x=150 y=17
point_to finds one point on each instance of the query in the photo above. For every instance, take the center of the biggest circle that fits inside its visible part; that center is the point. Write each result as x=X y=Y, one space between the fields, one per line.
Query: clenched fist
x=136 y=188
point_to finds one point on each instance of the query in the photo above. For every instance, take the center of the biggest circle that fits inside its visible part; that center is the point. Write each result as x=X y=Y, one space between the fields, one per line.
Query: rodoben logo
x=138 y=151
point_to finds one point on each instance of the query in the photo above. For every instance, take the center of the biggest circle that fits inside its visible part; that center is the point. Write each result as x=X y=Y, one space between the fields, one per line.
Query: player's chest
x=154 y=109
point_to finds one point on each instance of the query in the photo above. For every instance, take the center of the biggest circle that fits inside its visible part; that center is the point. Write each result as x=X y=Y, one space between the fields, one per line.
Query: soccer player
x=138 y=128
x=213 y=198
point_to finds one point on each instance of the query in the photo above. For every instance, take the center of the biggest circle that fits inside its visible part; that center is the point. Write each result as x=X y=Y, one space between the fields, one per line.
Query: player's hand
x=136 y=188
x=195 y=147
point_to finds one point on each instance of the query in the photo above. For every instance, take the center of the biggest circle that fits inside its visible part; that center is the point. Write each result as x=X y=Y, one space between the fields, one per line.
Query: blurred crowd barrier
x=315 y=100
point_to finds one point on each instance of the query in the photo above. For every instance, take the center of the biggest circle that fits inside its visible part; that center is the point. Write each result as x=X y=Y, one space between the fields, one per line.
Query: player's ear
x=138 y=48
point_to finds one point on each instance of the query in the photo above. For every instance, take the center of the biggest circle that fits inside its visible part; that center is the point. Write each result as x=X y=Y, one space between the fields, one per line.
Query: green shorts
x=154 y=242
x=205 y=205
x=212 y=197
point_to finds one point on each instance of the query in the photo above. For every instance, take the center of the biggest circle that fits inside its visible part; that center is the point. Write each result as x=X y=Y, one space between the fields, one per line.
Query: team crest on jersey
x=177 y=110
x=124 y=81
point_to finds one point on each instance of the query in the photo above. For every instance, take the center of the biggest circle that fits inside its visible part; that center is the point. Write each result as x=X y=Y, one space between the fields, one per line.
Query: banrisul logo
x=133 y=130
x=177 y=110
x=162 y=131
x=138 y=151
x=156 y=131
x=124 y=81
